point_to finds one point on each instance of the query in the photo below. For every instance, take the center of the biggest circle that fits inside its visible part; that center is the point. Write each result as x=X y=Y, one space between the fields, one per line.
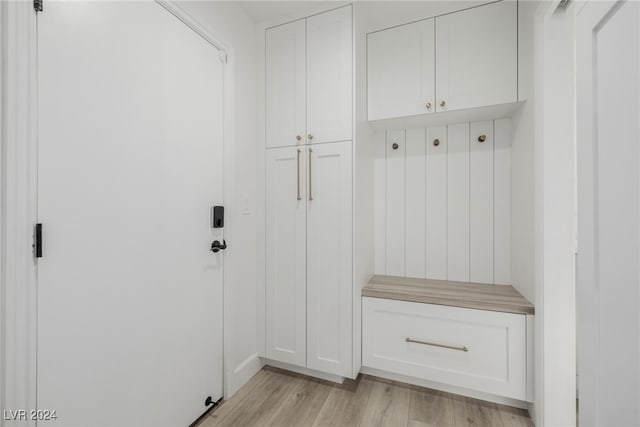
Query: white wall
x=232 y=26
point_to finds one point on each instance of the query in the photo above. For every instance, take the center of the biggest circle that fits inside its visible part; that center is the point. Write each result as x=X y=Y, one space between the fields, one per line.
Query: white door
x=329 y=76
x=477 y=57
x=285 y=85
x=129 y=164
x=329 y=258
x=608 y=285
x=286 y=255
x=401 y=71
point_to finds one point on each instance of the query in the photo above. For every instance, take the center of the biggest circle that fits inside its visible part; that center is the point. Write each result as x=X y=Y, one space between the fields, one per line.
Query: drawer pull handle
x=452 y=347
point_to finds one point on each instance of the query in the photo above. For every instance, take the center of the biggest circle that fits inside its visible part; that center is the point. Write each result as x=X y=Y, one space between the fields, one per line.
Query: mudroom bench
x=467 y=338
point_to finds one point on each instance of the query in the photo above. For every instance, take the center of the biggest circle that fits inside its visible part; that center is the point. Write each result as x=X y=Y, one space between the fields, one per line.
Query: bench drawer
x=475 y=349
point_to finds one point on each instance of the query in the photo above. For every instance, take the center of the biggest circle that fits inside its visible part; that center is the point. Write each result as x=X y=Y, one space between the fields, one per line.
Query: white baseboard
x=444 y=387
x=305 y=371
x=532 y=412
x=241 y=374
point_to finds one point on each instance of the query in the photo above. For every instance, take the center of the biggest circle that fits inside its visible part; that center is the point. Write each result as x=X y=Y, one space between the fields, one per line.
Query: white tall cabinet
x=329 y=261
x=309 y=201
x=286 y=120
x=329 y=76
x=309 y=80
x=286 y=255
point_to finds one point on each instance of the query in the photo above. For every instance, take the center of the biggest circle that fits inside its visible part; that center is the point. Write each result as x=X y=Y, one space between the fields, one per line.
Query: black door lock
x=216 y=246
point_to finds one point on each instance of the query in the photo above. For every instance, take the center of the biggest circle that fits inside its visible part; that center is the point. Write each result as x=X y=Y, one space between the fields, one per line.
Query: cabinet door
x=285 y=84
x=477 y=57
x=401 y=71
x=329 y=234
x=286 y=255
x=329 y=76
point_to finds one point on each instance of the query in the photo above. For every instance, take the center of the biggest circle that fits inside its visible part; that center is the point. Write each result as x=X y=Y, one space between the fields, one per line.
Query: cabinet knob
x=310 y=136
x=442 y=103
x=482 y=138
x=428 y=105
x=395 y=146
x=436 y=142
x=298 y=138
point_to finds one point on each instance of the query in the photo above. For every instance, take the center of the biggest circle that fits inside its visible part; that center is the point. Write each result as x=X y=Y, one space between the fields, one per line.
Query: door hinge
x=37 y=241
x=37 y=5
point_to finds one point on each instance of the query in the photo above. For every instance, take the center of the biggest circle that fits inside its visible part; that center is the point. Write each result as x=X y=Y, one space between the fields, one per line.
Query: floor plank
x=303 y=404
x=260 y=404
x=515 y=417
x=430 y=408
x=227 y=406
x=388 y=404
x=275 y=397
x=345 y=404
x=473 y=412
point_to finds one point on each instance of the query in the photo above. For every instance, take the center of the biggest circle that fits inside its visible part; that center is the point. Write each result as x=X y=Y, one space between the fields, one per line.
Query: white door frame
x=555 y=221
x=18 y=197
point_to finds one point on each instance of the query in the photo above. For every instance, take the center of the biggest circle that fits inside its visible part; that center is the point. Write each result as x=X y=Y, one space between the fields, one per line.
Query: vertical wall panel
x=444 y=211
x=481 y=202
x=502 y=202
x=380 y=203
x=415 y=204
x=395 y=203
x=436 y=203
x=458 y=203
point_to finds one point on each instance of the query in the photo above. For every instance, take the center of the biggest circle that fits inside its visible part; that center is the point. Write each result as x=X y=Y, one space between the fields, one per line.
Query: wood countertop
x=478 y=296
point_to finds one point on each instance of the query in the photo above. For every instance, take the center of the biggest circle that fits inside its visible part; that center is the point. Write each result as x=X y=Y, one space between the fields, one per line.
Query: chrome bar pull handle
x=299 y=196
x=310 y=176
x=452 y=347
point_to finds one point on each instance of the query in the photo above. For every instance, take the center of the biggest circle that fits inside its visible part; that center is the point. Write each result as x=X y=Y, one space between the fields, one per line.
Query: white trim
x=18 y=309
x=243 y=373
x=191 y=22
x=304 y=371
x=555 y=216
x=444 y=387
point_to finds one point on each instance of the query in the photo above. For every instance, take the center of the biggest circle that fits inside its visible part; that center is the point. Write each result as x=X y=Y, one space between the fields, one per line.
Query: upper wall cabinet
x=401 y=80
x=329 y=76
x=285 y=84
x=477 y=57
x=309 y=80
x=473 y=54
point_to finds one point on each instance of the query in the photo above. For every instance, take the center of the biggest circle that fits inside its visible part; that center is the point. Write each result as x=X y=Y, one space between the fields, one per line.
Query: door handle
x=216 y=246
x=299 y=196
x=310 y=176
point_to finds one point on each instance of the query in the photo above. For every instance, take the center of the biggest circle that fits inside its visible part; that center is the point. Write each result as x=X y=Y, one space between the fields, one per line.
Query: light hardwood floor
x=275 y=397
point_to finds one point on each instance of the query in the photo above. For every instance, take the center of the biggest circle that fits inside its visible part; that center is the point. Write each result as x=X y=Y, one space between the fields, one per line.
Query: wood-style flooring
x=275 y=397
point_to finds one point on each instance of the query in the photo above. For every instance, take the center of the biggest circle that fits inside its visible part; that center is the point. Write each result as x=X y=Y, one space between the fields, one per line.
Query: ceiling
x=267 y=11
x=378 y=14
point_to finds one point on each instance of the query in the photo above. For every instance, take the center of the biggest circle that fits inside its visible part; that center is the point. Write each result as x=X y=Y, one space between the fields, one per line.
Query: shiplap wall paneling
x=458 y=203
x=502 y=202
x=380 y=203
x=481 y=202
x=395 y=203
x=415 y=208
x=436 y=203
